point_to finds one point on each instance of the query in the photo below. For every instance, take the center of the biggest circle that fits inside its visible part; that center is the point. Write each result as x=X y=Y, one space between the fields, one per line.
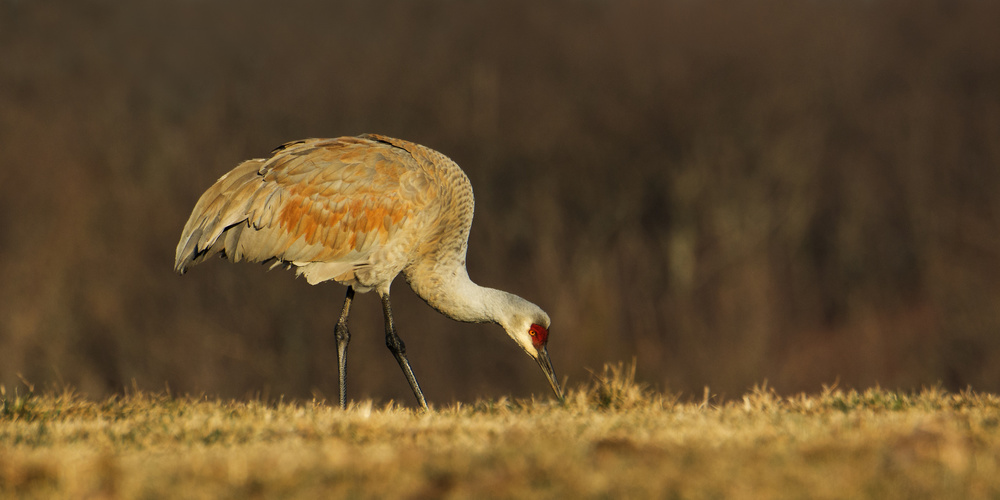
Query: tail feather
x=186 y=250
x=220 y=207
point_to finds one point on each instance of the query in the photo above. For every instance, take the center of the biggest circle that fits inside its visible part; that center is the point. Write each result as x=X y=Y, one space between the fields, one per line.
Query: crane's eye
x=539 y=335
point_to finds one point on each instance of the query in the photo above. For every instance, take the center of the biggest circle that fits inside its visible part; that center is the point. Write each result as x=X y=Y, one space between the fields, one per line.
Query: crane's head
x=529 y=327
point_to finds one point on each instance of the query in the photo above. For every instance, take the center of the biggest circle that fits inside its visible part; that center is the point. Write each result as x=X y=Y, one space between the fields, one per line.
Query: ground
x=613 y=438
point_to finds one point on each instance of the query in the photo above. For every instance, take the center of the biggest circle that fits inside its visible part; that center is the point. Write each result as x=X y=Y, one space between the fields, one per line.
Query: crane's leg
x=395 y=344
x=343 y=337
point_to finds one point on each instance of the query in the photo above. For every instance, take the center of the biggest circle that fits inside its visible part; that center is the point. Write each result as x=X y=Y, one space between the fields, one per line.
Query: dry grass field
x=725 y=191
x=613 y=438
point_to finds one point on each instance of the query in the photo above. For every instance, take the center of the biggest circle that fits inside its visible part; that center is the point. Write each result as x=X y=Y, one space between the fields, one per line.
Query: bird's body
x=360 y=211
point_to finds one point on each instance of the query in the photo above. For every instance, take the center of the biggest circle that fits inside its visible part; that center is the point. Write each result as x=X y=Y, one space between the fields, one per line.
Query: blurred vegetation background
x=728 y=191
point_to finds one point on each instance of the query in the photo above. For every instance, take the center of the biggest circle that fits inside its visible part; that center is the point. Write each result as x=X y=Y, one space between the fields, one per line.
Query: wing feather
x=334 y=202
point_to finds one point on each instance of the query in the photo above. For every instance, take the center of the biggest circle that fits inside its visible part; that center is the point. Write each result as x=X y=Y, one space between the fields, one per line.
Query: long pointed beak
x=546 y=364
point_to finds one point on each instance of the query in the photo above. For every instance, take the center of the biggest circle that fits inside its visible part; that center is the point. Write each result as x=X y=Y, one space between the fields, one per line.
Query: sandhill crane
x=360 y=211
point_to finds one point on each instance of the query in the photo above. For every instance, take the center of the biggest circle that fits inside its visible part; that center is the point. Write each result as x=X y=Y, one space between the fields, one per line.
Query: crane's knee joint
x=342 y=333
x=395 y=344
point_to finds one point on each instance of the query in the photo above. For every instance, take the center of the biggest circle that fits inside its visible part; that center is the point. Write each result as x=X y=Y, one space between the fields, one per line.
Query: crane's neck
x=439 y=275
x=452 y=293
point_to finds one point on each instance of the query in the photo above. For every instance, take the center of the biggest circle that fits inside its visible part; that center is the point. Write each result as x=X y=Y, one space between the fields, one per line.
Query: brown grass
x=612 y=439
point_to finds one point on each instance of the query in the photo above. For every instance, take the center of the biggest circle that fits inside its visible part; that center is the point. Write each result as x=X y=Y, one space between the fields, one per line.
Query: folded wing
x=325 y=205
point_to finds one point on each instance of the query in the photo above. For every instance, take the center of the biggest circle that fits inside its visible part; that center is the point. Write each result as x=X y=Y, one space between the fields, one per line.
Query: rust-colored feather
x=336 y=202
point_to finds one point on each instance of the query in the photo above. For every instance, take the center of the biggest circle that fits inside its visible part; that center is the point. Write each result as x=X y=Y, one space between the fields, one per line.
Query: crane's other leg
x=395 y=344
x=343 y=337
